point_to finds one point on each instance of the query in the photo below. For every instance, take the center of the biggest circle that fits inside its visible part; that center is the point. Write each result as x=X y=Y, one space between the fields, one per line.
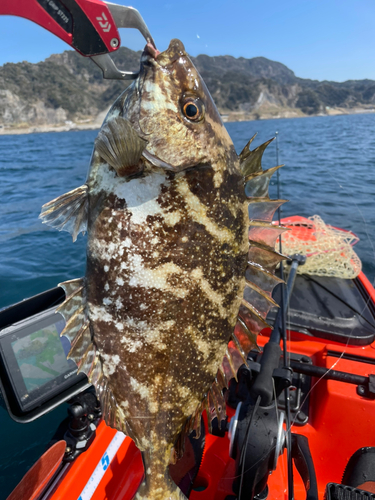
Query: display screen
x=41 y=356
x=35 y=357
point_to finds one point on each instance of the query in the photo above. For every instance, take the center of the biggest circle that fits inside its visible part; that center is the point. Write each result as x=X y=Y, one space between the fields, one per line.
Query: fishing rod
x=283 y=313
x=254 y=420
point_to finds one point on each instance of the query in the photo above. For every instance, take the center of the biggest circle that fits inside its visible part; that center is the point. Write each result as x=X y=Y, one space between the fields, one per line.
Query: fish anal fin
x=119 y=144
x=80 y=345
x=88 y=360
x=71 y=286
x=68 y=212
x=84 y=353
x=74 y=325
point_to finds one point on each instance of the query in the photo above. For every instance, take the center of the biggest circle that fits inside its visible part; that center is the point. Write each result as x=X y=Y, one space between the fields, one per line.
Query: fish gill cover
x=173 y=298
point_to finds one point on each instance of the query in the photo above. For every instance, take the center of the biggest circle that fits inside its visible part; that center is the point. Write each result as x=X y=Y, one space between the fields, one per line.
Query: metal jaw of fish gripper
x=124 y=17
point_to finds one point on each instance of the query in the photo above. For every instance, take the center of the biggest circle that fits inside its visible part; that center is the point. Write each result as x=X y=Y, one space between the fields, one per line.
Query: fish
x=180 y=266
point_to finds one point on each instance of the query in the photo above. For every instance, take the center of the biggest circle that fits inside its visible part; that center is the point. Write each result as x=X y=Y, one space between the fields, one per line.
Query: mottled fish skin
x=166 y=260
x=167 y=255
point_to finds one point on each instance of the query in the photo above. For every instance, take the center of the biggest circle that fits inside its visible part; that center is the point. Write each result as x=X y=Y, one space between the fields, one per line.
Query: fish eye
x=193 y=109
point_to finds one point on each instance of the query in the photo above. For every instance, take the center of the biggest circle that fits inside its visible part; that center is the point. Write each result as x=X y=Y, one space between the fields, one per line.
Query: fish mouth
x=158 y=162
x=175 y=50
x=151 y=51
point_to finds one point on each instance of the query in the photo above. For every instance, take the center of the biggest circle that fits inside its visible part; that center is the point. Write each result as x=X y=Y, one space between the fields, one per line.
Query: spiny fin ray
x=257 y=185
x=265 y=257
x=261 y=277
x=265 y=233
x=262 y=261
x=68 y=212
x=263 y=209
x=260 y=291
x=251 y=161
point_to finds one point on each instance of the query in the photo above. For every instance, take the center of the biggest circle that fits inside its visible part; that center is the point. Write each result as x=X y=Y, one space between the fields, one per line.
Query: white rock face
x=15 y=111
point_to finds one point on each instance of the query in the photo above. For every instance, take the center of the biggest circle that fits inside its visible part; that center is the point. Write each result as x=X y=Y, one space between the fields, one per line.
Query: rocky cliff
x=67 y=90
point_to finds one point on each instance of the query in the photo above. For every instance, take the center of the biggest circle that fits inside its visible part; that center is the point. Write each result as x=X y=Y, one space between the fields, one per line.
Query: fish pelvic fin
x=119 y=144
x=84 y=353
x=68 y=212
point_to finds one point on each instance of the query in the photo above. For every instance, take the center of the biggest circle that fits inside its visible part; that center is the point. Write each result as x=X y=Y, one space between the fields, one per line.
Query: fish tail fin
x=149 y=491
x=84 y=353
x=68 y=212
x=157 y=483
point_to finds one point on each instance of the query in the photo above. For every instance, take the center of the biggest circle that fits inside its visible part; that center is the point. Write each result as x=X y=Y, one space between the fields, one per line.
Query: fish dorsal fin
x=84 y=353
x=260 y=282
x=68 y=212
x=251 y=161
x=262 y=259
x=119 y=144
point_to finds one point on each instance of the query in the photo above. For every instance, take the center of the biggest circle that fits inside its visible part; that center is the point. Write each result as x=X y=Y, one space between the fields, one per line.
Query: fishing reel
x=256 y=438
x=256 y=443
x=256 y=432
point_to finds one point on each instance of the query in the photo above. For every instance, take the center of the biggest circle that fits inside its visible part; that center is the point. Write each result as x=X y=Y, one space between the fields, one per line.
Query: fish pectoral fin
x=119 y=144
x=68 y=212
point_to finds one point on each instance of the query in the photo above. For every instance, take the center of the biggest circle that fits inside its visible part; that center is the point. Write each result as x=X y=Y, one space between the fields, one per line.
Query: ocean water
x=330 y=171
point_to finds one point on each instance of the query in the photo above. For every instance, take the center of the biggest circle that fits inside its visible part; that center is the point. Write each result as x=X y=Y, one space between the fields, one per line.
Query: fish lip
x=151 y=51
x=158 y=162
x=175 y=50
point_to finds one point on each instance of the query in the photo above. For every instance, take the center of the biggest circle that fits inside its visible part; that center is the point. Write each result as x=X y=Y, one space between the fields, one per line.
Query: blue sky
x=323 y=40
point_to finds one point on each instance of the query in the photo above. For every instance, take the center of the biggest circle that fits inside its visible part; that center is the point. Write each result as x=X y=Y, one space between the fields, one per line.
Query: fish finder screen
x=41 y=357
x=34 y=356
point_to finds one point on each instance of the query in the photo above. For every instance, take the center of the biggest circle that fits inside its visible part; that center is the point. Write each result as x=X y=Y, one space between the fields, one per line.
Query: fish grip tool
x=88 y=26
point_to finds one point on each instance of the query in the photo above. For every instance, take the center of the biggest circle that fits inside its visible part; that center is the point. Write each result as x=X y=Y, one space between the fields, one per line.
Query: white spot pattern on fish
x=166 y=258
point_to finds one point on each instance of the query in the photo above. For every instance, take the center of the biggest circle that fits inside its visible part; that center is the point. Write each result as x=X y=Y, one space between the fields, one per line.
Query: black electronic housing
x=21 y=321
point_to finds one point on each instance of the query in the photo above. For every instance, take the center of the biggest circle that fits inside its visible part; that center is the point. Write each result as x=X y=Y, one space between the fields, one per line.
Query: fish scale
x=170 y=278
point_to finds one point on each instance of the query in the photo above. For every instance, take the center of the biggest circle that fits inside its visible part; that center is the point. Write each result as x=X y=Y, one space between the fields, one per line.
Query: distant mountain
x=69 y=89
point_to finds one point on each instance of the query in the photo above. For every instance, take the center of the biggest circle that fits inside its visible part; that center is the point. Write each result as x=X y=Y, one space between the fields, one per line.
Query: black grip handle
x=263 y=385
x=304 y=463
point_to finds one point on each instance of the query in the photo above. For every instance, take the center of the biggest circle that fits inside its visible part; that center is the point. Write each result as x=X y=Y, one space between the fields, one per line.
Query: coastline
x=269 y=113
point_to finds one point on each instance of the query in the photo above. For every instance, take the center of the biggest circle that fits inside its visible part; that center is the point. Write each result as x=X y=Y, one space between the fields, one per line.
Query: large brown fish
x=168 y=260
